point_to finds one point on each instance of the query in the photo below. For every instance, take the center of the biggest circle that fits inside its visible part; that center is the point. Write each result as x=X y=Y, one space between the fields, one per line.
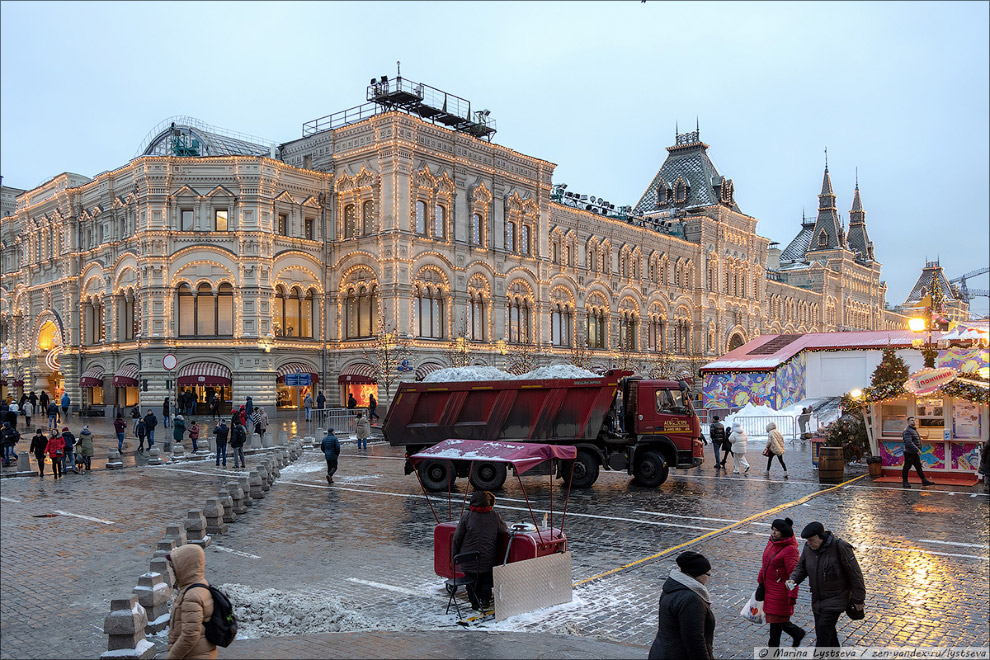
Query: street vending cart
x=524 y=541
x=951 y=415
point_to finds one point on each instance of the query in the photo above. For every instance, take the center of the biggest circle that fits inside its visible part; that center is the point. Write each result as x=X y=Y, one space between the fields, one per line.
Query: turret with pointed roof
x=858 y=238
x=828 y=233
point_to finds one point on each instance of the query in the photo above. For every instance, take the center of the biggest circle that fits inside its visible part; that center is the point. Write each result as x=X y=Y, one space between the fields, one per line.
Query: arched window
x=306 y=316
x=187 y=311
x=596 y=328
x=519 y=321
x=510 y=236
x=360 y=312
x=439 y=222
x=478 y=317
x=553 y=252
x=421 y=218
x=279 y=311
x=368 y=218
x=476 y=229
x=567 y=255
x=524 y=245
x=656 y=333
x=430 y=304
x=206 y=321
x=225 y=310
x=560 y=325
x=292 y=313
x=627 y=332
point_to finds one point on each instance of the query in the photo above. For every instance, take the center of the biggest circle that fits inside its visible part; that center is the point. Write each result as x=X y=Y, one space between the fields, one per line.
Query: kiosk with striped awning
x=297 y=368
x=357 y=373
x=92 y=377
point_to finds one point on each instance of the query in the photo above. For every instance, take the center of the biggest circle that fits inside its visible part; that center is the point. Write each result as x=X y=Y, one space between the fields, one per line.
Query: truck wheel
x=488 y=476
x=437 y=475
x=585 y=469
x=651 y=469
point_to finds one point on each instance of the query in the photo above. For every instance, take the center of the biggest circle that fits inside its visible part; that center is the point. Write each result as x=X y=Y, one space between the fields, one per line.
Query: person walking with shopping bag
x=779 y=559
x=775 y=447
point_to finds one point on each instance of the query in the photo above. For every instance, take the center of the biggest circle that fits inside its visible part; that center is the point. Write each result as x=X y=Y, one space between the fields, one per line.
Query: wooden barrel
x=831 y=467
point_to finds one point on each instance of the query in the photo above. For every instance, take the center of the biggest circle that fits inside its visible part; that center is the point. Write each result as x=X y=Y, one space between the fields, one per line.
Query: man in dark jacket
x=479 y=529
x=238 y=438
x=331 y=450
x=221 y=430
x=836 y=580
x=43 y=401
x=912 y=455
x=150 y=422
x=686 y=627
x=717 y=433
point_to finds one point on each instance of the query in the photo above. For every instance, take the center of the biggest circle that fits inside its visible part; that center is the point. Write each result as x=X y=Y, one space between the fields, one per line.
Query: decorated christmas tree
x=891 y=368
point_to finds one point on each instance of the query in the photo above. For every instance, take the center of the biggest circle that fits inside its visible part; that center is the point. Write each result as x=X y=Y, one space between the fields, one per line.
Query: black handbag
x=854 y=613
x=761 y=593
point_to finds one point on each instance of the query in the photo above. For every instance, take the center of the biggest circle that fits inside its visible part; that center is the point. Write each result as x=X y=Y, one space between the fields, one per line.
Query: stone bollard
x=164 y=547
x=245 y=484
x=114 y=461
x=256 y=491
x=274 y=462
x=178 y=452
x=272 y=470
x=266 y=439
x=255 y=442
x=177 y=533
x=280 y=461
x=153 y=594
x=196 y=529
x=155 y=456
x=236 y=497
x=213 y=444
x=227 y=502
x=266 y=477
x=160 y=565
x=283 y=437
x=125 y=629
x=310 y=441
x=321 y=433
x=213 y=513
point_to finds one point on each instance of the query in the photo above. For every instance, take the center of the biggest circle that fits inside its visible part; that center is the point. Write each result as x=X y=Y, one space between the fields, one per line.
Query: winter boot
x=767 y=474
x=905 y=485
x=785 y=474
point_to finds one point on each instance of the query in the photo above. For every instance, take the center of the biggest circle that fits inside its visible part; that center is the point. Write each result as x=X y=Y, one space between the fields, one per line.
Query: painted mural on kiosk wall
x=966 y=360
x=790 y=388
x=735 y=390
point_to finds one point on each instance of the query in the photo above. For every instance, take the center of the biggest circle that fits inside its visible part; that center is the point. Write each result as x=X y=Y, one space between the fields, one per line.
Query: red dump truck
x=646 y=429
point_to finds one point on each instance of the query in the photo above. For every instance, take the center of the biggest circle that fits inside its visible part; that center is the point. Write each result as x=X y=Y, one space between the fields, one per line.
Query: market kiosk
x=951 y=415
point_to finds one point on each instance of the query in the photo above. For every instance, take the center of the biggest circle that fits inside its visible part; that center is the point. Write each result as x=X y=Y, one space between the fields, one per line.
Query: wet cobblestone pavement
x=367 y=540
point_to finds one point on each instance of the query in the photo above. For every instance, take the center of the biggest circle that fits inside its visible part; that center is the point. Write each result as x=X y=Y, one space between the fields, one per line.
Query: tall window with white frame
x=283 y=224
x=439 y=222
x=524 y=242
x=360 y=308
x=350 y=220
x=476 y=229
x=421 y=218
x=478 y=316
x=220 y=220
x=431 y=310
x=510 y=236
x=560 y=325
x=368 y=218
x=186 y=223
x=519 y=320
x=308 y=228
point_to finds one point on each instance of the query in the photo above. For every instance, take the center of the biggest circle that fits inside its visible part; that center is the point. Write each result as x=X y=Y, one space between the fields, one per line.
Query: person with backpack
x=9 y=437
x=150 y=422
x=120 y=428
x=166 y=411
x=221 y=432
x=86 y=446
x=56 y=452
x=52 y=412
x=193 y=606
x=238 y=437
x=142 y=431
x=717 y=433
x=331 y=450
x=68 y=455
x=38 y=445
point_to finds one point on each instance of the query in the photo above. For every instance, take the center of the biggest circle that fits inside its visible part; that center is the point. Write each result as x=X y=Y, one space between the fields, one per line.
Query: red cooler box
x=526 y=544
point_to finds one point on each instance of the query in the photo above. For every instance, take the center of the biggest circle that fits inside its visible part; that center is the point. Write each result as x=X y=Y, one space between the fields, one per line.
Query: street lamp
x=928 y=353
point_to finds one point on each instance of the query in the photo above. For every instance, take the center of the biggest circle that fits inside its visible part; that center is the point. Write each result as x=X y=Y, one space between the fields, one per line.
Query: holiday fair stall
x=951 y=414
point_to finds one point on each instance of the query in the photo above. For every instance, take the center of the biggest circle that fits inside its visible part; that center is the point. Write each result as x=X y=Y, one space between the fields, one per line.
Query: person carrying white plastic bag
x=753 y=610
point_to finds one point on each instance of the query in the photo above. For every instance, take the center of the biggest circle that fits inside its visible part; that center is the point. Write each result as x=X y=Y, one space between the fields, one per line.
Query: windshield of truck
x=671 y=402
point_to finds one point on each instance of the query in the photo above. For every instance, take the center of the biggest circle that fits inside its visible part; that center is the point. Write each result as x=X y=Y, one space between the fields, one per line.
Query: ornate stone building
x=250 y=263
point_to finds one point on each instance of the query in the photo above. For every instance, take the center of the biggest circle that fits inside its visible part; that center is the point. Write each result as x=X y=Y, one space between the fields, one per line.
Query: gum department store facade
x=248 y=267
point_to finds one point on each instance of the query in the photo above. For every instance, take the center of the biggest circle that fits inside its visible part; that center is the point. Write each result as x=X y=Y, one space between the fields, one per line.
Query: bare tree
x=387 y=356
x=658 y=365
x=580 y=351
x=523 y=358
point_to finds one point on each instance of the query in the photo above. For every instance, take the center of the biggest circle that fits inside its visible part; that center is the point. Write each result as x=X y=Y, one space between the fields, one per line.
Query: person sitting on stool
x=479 y=529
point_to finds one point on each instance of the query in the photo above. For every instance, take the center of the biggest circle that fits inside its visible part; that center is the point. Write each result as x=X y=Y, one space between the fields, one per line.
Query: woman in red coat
x=56 y=450
x=779 y=559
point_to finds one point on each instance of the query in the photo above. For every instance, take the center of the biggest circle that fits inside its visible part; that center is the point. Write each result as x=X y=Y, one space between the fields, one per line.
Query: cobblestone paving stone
x=367 y=541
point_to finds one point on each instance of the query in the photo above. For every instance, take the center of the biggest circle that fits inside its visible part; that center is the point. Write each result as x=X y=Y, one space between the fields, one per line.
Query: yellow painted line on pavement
x=775 y=509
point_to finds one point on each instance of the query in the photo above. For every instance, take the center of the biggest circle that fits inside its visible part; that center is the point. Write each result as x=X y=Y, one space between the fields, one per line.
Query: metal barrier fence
x=341 y=420
x=790 y=427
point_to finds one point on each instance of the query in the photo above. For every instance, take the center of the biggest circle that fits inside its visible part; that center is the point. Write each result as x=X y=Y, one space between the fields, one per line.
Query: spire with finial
x=858 y=238
x=828 y=233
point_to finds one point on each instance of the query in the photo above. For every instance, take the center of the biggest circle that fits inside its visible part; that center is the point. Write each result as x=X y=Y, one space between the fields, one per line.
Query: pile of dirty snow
x=271 y=613
x=462 y=374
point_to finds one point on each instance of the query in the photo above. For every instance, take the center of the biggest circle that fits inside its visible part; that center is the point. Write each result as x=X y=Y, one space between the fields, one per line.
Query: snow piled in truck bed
x=462 y=374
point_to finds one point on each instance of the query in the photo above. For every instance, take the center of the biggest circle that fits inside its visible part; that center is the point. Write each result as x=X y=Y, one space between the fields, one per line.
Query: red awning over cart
x=297 y=368
x=204 y=373
x=92 y=377
x=126 y=376
x=522 y=456
x=357 y=373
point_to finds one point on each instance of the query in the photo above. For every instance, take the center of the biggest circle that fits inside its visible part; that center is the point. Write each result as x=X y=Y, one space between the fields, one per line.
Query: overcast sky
x=899 y=90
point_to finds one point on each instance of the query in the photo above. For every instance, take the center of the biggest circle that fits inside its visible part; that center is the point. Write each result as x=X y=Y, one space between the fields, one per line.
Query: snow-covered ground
x=461 y=374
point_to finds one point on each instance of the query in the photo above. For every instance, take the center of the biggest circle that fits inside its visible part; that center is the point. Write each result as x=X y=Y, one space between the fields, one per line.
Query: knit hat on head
x=785 y=527
x=693 y=563
x=65 y=428
x=482 y=498
x=813 y=529
x=715 y=418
